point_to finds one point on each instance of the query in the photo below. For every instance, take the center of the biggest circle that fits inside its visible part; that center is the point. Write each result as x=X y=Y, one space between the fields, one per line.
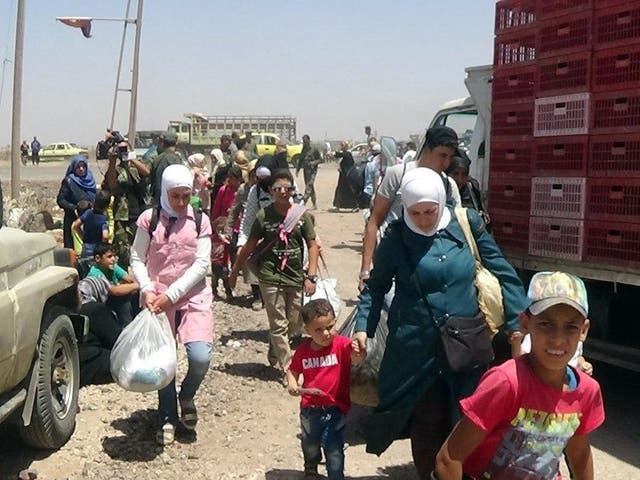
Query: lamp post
x=85 y=24
x=16 y=115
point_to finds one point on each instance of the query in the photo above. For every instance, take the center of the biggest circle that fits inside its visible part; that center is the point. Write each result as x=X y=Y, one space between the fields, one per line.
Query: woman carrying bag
x=427 y=255
x=78 y=184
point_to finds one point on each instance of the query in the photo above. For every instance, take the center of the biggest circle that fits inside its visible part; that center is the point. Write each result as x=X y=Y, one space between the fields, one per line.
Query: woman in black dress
x=346 y=195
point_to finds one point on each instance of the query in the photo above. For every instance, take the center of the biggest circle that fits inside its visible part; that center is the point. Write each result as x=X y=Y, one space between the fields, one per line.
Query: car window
x=269 y=140
x=60 y=146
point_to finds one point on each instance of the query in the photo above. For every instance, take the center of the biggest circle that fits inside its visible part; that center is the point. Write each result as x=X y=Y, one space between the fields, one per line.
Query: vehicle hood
x=17 y=246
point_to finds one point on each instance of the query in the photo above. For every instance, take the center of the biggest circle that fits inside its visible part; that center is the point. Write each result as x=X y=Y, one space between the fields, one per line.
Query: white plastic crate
x=558 y=197
x=556 y=238
x=562 y=115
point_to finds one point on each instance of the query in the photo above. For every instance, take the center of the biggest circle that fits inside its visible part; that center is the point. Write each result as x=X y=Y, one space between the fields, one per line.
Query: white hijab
x=174 y=176
x=424 y=185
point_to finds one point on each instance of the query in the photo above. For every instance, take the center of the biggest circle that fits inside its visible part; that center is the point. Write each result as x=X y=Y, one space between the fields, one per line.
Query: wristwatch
x=312 y=278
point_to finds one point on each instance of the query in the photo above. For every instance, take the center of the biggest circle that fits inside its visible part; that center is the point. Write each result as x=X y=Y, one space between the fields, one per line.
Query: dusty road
x=249 y=424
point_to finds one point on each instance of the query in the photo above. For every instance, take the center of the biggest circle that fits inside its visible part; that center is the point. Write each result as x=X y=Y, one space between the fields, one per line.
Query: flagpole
x=16 y=115
x=134 y=77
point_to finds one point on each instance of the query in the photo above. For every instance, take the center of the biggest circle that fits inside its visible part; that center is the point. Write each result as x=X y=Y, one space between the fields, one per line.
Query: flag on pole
x=83 y=23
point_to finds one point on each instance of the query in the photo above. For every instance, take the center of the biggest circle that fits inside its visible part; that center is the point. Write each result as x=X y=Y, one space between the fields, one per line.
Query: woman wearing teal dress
x=418 y=394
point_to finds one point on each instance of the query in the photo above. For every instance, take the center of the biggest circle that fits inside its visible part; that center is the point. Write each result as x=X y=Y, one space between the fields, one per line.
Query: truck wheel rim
x=62 y=378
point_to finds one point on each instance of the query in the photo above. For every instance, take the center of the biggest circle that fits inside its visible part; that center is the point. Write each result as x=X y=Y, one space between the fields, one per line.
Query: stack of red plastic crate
x=583 y=151
x=512 y=122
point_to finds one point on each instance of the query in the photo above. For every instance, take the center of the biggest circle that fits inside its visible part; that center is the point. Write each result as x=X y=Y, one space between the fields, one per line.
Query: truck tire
x=53 y=419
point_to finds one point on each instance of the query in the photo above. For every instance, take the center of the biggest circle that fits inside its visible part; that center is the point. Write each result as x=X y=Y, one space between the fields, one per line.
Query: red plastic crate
x=515 y=48
x=558 y=197
x=511 y=155
x=511 y=232
x=560 y=156
x=562 y=115
x=616 y=112
x=616 y=26
x=563 y=74
x=616 y=68
x=613 y=156
x=556 y=238
x=509 y=194
x=512 y=119
x=614 y=199
x=513 y=85
x=512 y=14
x=567 y=34
x=612 y=243
x=553 y=8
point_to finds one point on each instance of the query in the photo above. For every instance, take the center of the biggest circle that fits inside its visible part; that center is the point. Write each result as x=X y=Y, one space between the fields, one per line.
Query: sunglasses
x=283 y=188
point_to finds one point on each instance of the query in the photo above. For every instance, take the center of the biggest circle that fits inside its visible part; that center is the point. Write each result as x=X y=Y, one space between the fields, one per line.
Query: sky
x=337 y=65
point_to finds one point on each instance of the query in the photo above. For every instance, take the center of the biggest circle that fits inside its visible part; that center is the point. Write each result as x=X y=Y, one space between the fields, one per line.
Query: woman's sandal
x=189 y=414
x=166 y=435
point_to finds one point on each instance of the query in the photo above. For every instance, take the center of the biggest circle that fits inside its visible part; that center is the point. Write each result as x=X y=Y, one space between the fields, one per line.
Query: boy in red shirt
x=324 y=361
x=525 y=412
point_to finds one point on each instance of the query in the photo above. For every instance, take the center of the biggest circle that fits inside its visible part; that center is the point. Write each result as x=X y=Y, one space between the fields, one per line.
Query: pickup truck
x=39 y=335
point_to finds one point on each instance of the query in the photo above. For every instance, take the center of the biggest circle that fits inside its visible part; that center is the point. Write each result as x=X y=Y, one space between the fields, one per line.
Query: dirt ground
x=249 y=424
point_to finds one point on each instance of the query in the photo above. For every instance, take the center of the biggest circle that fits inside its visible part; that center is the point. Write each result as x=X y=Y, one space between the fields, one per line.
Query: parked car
x=61 y=151
x=266 y=143
x=39 y=336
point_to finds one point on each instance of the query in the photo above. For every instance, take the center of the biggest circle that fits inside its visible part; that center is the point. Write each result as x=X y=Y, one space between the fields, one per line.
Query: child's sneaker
x=166 y=435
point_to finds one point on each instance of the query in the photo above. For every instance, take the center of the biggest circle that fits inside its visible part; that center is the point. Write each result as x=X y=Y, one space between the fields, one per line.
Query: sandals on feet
x=189 y=414
x=166 y=435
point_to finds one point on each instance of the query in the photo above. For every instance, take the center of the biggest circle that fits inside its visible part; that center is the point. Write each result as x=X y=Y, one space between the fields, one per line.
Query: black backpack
x=155 y=218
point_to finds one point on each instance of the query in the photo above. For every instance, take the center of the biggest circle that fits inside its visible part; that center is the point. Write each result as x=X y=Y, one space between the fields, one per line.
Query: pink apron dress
x=167 y=260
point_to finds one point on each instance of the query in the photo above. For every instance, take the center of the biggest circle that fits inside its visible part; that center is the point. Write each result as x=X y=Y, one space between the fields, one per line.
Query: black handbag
x=465 y=341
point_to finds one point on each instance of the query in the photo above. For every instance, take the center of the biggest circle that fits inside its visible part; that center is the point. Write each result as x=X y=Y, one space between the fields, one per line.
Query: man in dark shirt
x=167 y=156
x=308 y=162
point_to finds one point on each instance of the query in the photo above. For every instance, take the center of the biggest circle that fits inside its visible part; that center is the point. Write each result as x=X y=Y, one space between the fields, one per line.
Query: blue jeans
x=323 y=427
x=199 y=356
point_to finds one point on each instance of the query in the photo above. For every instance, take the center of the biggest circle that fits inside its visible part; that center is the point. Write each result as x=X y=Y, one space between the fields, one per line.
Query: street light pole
x=16 y=115
x=134 y=77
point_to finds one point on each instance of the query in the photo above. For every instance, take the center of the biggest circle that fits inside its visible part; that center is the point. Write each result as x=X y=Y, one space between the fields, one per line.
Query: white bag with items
x=326 y=288
x=143 y=358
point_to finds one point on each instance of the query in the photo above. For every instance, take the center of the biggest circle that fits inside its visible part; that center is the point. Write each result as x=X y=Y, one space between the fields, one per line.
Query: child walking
x=92 y=226
x=170 y=263
x=527 y=411
x=221 y=250
x=324 y=361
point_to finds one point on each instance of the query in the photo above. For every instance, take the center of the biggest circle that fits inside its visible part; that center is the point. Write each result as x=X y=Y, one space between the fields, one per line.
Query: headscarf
x=424 y=185
x=86 y=182
x=174 y=176
x=217 y=157
x=196 y=161
x=459 y=160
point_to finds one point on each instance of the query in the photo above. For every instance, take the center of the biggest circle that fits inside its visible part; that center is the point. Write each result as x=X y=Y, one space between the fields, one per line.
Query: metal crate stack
x=582 y=155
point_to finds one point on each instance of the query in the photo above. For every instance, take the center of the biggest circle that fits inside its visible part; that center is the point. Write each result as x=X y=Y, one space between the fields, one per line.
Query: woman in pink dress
x=170 y=262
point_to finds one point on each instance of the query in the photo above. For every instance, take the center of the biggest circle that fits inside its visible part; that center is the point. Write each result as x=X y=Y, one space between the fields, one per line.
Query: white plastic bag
x=143 y=358
x=326 y=288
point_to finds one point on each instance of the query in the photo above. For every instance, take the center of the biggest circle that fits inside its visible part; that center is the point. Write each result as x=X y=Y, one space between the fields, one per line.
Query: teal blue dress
x=445 y=267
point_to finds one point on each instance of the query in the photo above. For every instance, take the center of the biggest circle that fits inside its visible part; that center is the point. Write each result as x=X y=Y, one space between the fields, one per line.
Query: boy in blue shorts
x=324 y=361
x=527 y=411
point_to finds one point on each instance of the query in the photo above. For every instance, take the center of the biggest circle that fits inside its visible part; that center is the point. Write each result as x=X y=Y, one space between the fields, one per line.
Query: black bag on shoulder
x=465 y=341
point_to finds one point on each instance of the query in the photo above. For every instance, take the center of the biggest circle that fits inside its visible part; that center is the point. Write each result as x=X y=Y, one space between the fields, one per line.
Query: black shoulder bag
x=465 y=341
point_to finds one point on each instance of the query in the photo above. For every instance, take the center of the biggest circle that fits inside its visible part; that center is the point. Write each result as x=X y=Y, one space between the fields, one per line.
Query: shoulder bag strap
x=463 y=220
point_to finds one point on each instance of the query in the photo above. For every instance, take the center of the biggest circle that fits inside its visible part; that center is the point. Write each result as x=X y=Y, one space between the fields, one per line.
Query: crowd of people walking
x=171 y=221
